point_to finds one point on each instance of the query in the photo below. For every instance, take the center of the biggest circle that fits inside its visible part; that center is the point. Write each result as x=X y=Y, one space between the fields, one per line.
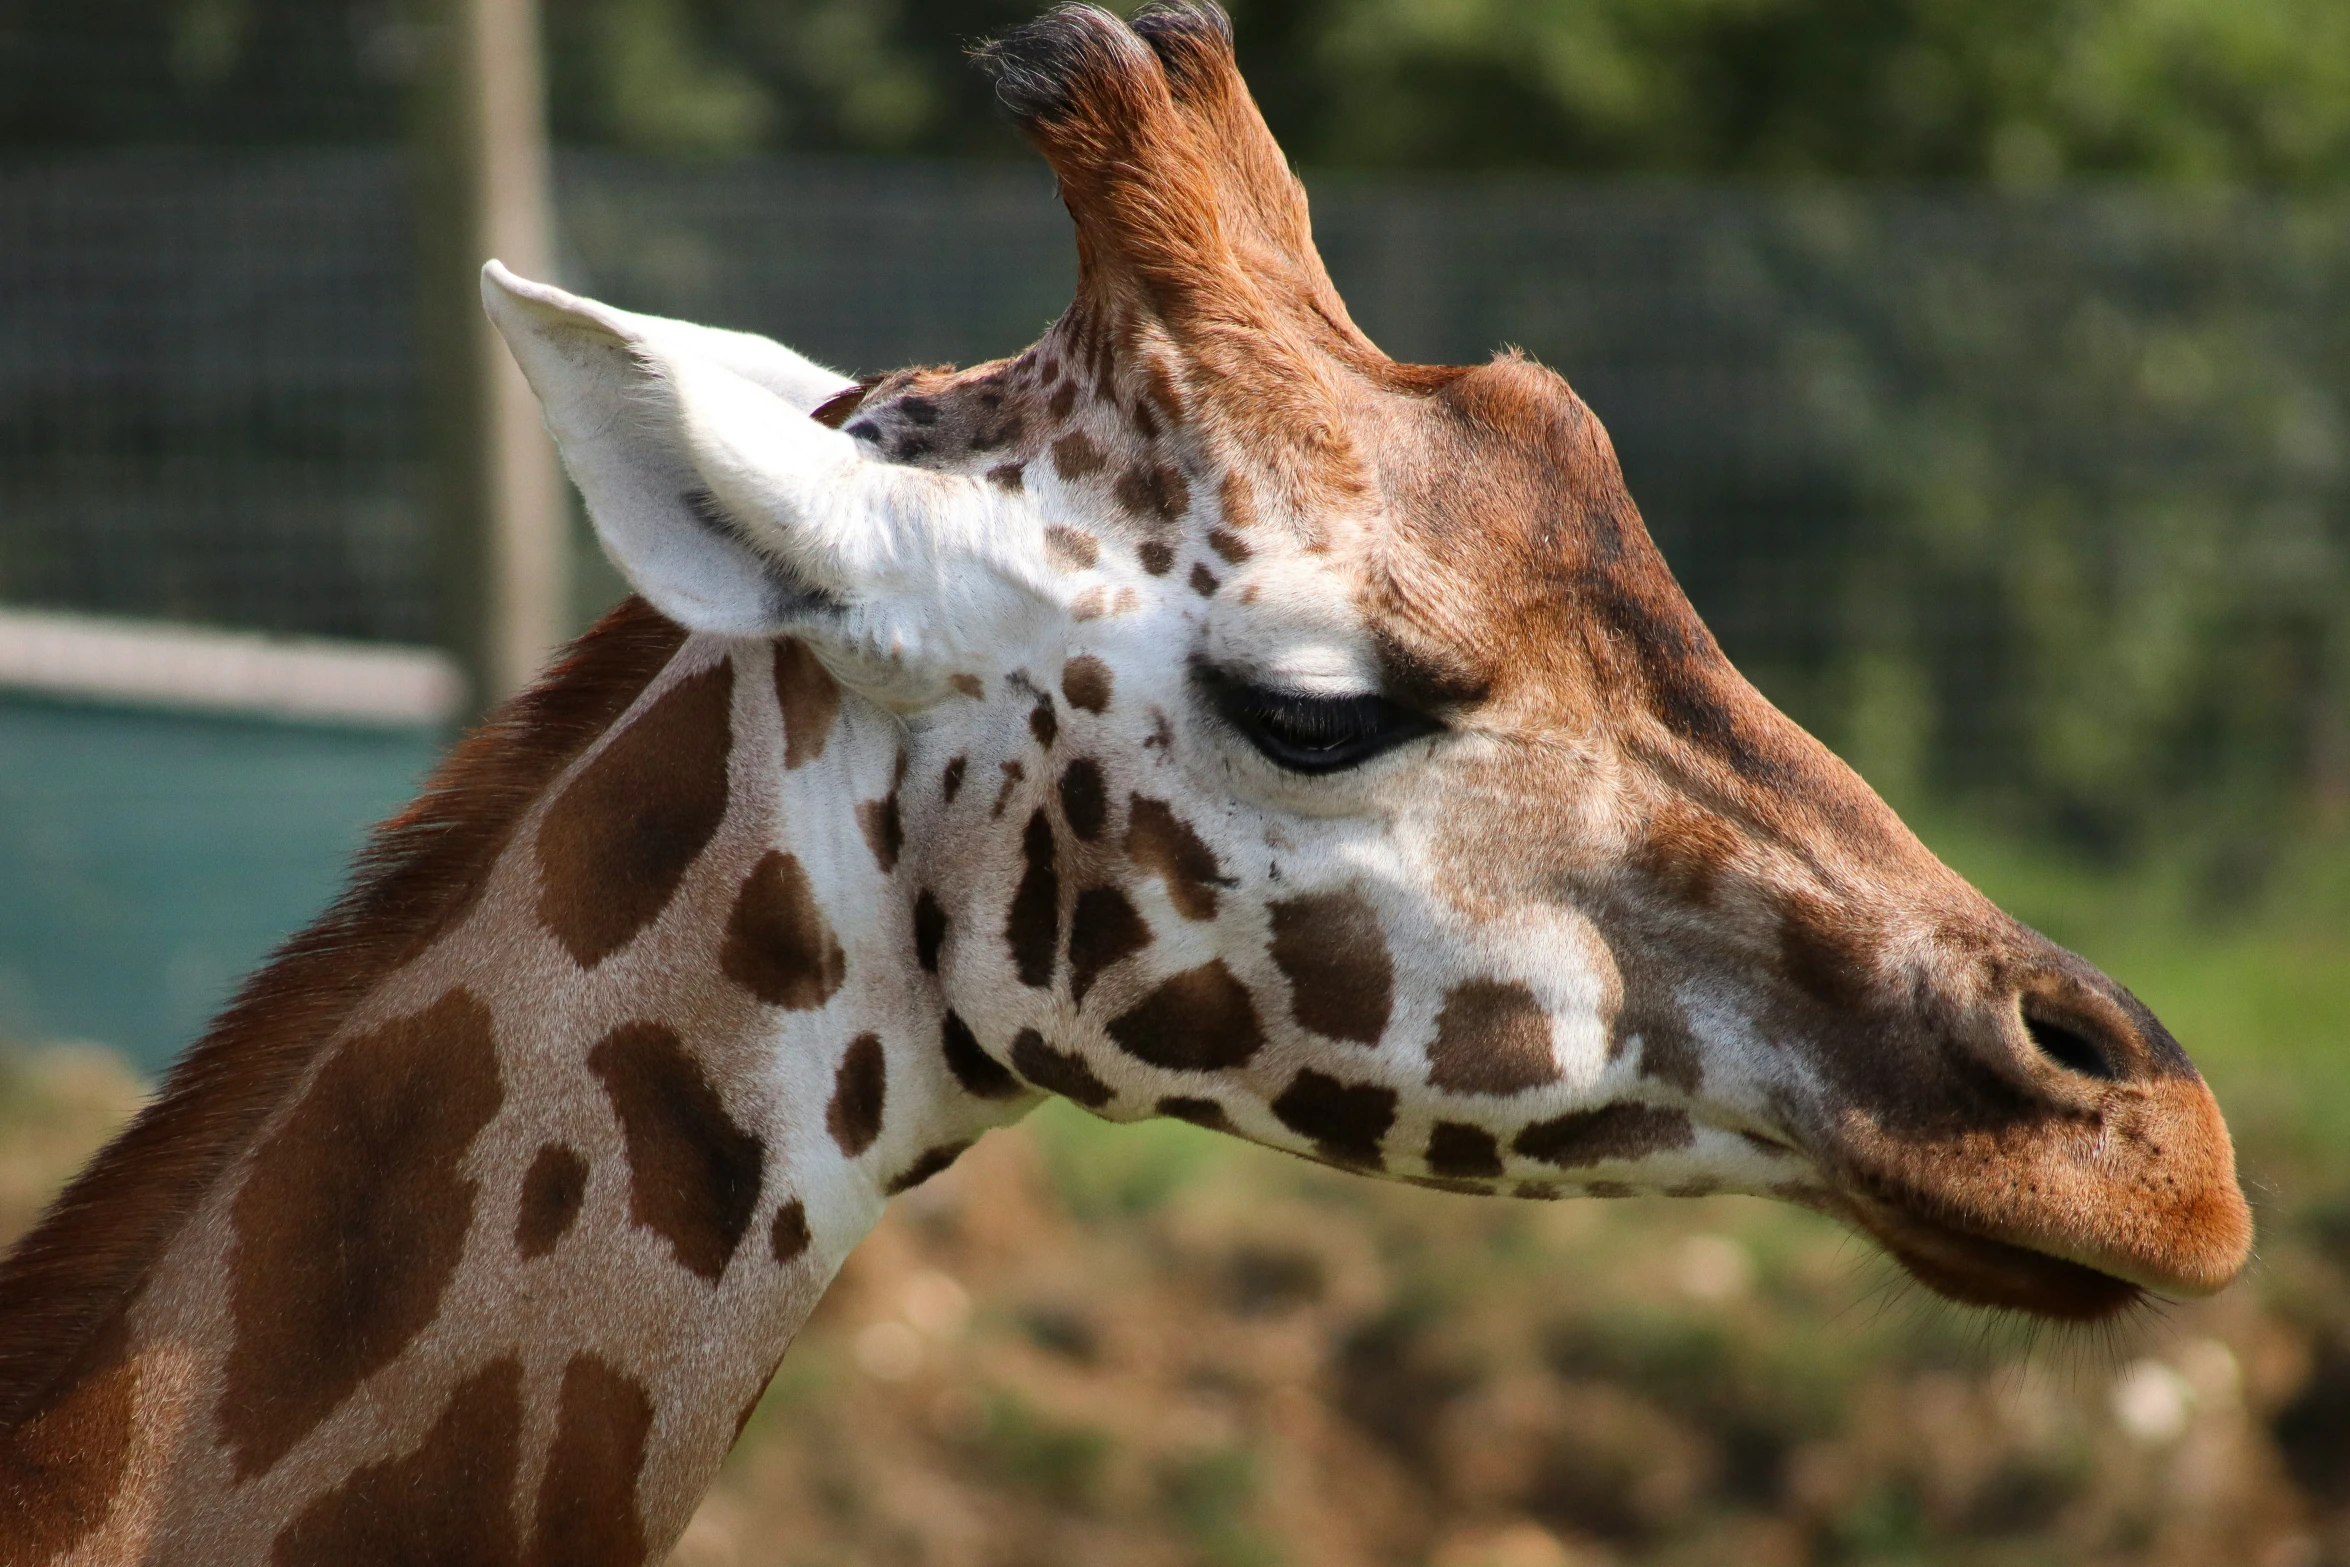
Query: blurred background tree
x=2016 y=91
x=2020 y=91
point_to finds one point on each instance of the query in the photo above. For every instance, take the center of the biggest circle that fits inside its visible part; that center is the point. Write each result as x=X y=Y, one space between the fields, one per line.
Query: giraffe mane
x=87 y=1258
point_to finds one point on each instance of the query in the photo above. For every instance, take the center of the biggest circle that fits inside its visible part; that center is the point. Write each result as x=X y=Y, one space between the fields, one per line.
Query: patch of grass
x=1108 y=1171
x=1022 y=1446
x=1209 y=1496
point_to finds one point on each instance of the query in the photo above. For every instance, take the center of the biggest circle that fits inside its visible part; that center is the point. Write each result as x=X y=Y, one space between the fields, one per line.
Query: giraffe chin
x=1975 y=1270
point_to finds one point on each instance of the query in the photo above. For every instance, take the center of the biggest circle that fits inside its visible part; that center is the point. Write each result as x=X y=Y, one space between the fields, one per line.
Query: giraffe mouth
x=1972 y=1269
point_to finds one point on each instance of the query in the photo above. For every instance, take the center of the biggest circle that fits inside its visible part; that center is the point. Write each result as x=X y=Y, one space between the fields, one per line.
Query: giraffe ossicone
x=1196 y=715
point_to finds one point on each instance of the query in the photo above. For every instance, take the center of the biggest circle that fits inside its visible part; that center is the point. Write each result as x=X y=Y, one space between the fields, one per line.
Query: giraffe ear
x=734 y=512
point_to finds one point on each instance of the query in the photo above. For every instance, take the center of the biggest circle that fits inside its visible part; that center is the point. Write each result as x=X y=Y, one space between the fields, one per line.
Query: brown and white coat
x=1198 y=715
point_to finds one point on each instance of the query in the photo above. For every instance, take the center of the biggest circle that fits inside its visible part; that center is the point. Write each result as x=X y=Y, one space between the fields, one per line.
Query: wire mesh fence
x=2043 y=500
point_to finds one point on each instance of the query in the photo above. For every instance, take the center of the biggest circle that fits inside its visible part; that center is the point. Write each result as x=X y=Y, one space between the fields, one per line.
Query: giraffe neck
x=517 y=1250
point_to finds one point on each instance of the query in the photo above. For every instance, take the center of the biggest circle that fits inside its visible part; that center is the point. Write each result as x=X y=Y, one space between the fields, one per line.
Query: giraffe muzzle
x=2089 y=1167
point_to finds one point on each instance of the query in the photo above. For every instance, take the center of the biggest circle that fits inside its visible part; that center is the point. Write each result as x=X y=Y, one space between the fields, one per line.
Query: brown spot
x=1013 y=772
x=1075 y=456
x=810 y=699
x=1091 y=604
x=618 y=839
x=1203 y=581
x=1199 y=1112
x=969 y=685
x=1157 y=558
x=1346 y=1121
x=587 y=1513
x=1200 y=1020
x=351 y=1222
x=834 y=411
x=1058 y=1071
x=788 y=1236
x=552 y=1190
x=61 y=1470
x=1085 y=804
x=860 y=1090
x=1062 y=400
x=451 y=1500
x=1103 y=928
x=1537 y=1191
x=1033 y=924
x=1145 y=426
x=1235 y=500
x=1162 y=844
x=981 y=1074
x=1070 y=550
x=950 y=781
x=1086 y=681
x=1159 y=386
x=930 y=930
x=1153 y=491
x=779 y=946
x=1610 y=1189
x=1043 y=723
x=1826 y=950
x=693 y=1174
x=1340 y=981
x=1459 y=1150
x=1008 y=476
x=1491 y=1038
x=1668 y=1052
x=420 y=874
x=884 y=829
x=1231 y=546
x=931 y=1163
x=1611 y=1132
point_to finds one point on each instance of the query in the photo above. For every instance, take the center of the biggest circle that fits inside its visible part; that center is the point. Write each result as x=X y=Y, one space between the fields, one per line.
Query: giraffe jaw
x=2076 y=1222
x=1976 y=1270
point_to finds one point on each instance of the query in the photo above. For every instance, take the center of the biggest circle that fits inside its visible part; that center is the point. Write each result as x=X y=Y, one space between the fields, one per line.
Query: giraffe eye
x=1313 y=734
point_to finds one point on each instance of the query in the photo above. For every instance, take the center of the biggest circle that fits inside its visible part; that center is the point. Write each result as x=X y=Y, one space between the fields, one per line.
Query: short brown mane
x=91 y=1252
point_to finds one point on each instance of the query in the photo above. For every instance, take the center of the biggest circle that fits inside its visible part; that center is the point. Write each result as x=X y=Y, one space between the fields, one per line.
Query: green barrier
x=148 y=861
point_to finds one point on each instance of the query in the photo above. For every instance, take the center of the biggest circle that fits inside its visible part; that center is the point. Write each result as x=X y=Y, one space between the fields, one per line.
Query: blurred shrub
x=2012 y=90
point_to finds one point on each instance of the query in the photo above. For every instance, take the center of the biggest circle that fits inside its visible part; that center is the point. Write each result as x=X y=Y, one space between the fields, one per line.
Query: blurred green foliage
x=2019 y=91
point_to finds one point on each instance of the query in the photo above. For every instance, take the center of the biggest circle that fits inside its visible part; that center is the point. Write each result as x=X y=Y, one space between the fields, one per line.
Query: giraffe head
x=1315 y=747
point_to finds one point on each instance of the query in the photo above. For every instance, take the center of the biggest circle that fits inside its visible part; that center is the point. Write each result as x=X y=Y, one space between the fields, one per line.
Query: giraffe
x=1197 y=715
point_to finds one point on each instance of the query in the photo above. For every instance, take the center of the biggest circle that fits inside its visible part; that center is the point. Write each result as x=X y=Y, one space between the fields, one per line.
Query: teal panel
x=149 y=860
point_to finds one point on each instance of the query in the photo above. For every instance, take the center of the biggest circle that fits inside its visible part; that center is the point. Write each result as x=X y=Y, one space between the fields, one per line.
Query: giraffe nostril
x=2069 y=1048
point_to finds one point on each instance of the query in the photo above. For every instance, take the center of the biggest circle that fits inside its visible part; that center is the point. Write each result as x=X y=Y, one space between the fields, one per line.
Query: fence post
x=482 y=190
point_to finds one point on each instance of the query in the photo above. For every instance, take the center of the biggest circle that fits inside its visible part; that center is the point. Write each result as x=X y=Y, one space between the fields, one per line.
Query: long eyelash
x=1316 y=721
x=1309 y=734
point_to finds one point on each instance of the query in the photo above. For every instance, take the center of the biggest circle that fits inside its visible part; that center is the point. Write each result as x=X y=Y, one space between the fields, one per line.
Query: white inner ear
x=617 y=419
x=762 y=361
x=734 y=512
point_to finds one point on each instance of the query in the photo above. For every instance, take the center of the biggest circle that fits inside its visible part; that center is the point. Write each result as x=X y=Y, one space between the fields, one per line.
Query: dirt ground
x=1141 y=1345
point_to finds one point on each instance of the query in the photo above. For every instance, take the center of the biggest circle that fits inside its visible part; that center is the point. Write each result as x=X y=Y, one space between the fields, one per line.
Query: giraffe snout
x=2072 y=1159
